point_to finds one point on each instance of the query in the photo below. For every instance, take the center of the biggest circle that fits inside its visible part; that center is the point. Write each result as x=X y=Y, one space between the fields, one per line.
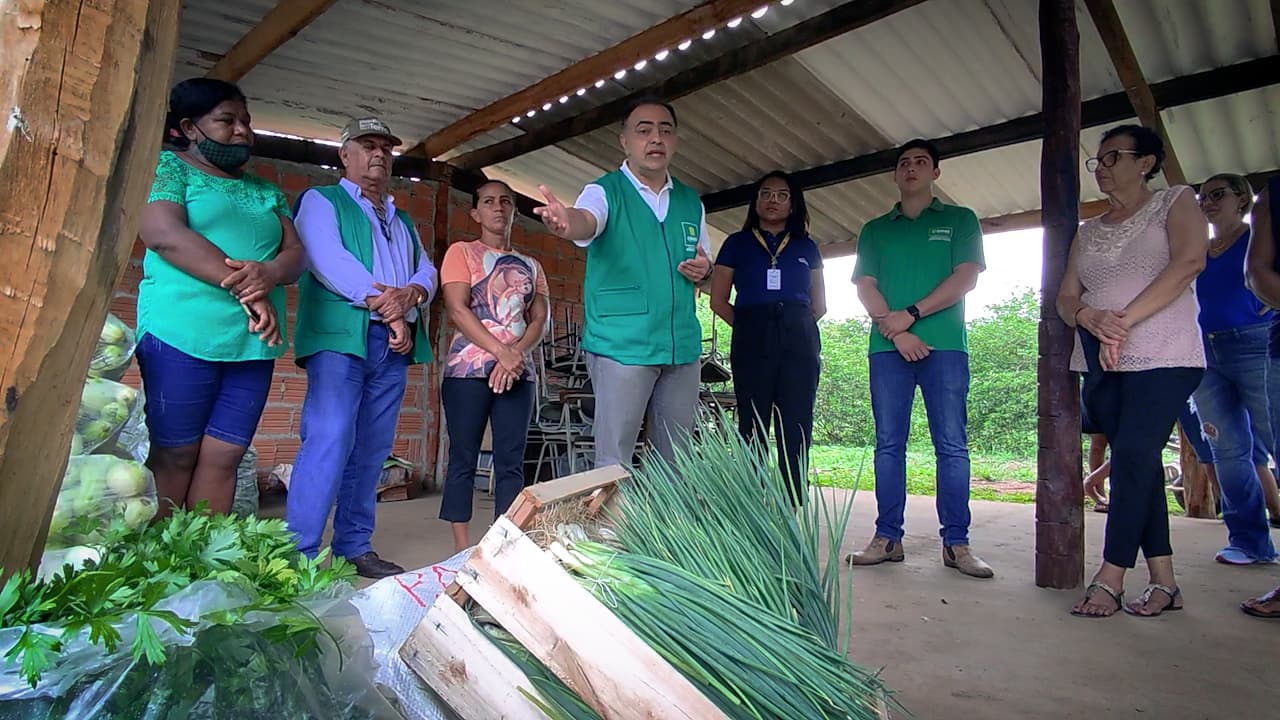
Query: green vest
x=328 y=321
x=640 y=310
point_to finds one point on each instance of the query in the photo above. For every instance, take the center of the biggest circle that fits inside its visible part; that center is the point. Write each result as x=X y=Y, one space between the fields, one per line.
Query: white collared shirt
x=593 y=200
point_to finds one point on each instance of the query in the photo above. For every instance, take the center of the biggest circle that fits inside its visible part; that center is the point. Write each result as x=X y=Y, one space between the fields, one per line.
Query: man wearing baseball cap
x=361 y=323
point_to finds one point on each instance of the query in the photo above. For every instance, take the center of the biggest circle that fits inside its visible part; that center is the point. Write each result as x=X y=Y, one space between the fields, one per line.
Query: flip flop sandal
x=1089 y=592
x=1173 y=593
x=1260 y=613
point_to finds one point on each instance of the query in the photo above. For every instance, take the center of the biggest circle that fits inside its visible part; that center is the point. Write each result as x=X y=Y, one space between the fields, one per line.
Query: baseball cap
x=360 y=127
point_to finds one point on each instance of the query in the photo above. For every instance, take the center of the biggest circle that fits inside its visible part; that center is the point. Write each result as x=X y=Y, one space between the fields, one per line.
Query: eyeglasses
x=1107 y=159
x=1216 y=195
x=777 y=195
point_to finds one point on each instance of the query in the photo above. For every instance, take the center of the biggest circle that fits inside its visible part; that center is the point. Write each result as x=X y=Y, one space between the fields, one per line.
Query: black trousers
x=468 y=404
x=775 y=352
x=1136 y=411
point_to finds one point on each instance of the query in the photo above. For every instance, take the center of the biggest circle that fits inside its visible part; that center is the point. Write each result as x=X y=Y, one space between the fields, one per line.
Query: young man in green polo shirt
x=915 y=265
x=647 y=248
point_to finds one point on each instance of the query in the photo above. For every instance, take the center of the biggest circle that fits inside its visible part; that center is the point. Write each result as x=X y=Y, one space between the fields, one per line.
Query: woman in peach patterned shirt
x=498 y=301
x=1128 y=291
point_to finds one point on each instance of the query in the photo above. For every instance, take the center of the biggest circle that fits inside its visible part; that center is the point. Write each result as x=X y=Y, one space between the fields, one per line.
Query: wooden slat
x=1125 y=61
x=285 y=20
x=1059 y=547
x=471 y=674
x=832 y=23
x=1275 y=20
x=641 y=46
x=1219 y=82
x=84 y=97
x=573 y=634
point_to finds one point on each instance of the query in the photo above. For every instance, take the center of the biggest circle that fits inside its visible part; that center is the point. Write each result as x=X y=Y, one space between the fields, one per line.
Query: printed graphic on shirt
x=940 y=234
x=503 y=286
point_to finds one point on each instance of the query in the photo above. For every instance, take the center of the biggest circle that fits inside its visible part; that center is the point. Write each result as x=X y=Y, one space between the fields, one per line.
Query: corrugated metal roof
x=419 y=65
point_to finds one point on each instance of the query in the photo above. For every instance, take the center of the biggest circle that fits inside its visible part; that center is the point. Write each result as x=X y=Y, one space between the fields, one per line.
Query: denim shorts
x=188 y=398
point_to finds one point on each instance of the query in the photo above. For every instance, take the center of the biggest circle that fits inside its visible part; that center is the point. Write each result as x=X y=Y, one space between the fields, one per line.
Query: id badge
x=773 y=279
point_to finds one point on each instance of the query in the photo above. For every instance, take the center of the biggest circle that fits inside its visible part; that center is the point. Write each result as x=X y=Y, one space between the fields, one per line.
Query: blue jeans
x=943 y=378
x=1230 y=402
x=348 y=427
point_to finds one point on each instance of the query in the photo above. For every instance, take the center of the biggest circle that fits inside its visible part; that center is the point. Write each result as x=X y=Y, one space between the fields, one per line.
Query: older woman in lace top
x=1128 y=291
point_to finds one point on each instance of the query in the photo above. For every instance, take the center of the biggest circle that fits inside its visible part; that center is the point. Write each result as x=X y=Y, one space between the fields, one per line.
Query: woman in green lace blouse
x=220 y=247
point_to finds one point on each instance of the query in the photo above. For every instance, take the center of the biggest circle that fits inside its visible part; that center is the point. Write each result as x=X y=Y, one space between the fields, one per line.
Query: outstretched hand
x=554 y=214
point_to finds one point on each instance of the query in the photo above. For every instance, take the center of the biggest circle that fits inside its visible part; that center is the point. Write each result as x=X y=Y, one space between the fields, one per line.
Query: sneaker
x=371 y=566
x=1235 y=556
x=962 y=558
x=879 y=550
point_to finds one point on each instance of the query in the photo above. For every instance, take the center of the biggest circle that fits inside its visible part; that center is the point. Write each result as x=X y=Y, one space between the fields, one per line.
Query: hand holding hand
x=895 y=323
x=1107 y=325
x=697 y=267
x=509 y=359
x=263 y=321
x=501 y=379
x=1109 y=356
x=391 y=303
x=400 y=340
x=249 y=280
x=910 y=347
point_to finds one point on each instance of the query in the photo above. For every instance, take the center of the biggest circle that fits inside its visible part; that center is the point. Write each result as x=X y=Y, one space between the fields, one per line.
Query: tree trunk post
x=1059 y=491
x=84 y=97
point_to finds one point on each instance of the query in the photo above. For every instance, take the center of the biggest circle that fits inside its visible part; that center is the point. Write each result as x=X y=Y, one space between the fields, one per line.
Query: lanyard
x=773 y=254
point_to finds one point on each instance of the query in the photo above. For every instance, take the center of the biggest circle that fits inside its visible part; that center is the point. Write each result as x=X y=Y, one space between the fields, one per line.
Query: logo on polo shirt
x=940 y=234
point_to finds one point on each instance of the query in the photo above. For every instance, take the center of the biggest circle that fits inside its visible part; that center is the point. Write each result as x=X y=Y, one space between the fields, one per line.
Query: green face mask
x=223 y=156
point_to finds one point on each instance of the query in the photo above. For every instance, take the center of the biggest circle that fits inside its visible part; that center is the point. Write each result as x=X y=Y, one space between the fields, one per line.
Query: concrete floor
x=955 y=647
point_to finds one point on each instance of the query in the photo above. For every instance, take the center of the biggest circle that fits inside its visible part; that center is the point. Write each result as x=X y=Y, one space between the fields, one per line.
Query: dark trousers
x=468 y=404
x=775 y=354
x=1136 y=411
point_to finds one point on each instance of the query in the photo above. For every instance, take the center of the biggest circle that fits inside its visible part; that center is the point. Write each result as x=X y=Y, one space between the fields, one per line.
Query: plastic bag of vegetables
x=133 y=442
x=95 y=490
x=105 y=407
x=114 y=350
x=196 y=617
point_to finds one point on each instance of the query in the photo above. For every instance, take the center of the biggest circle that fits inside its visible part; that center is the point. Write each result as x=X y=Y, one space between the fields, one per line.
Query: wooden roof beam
x=832 y=23
x=641 y=46
x=1219 y=82
x=285 y=20
x=1125 y=61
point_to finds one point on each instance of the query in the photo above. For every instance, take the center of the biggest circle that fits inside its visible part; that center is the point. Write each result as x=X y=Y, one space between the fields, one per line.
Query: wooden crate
x=551 y=615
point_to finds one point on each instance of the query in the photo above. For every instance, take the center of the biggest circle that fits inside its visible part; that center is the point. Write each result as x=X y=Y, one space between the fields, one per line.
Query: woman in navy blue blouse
x=776 y=271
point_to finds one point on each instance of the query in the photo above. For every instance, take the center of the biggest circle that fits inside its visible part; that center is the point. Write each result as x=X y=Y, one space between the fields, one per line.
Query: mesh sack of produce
x=105 y=407
x=114 y=351
x=98 y=490
x=196 y=617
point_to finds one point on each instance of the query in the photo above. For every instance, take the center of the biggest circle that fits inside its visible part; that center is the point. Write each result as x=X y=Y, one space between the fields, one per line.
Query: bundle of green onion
x=751 y=663
x=551 y=695
x=723 y=511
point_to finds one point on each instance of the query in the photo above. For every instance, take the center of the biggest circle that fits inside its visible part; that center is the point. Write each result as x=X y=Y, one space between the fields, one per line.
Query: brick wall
x=418 y=435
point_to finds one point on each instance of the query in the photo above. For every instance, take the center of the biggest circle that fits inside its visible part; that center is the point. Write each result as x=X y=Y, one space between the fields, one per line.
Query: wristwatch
x=915 y=311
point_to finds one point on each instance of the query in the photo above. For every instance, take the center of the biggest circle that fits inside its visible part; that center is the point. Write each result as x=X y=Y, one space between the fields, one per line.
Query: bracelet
x=1076 y=317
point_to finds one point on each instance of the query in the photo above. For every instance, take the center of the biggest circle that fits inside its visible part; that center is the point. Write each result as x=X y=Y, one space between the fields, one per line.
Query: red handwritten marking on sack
x=438 y=570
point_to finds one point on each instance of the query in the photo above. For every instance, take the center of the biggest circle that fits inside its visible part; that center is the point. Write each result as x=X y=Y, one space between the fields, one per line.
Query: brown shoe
x=880 y=549
x=963 y=559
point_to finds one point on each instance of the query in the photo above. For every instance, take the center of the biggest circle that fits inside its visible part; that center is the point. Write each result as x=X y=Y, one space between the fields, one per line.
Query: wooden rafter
x=1125 y=61
x=832 y=23
x=641 y=46
x=1219 y=82
x=1275 y=20
x=285 y=20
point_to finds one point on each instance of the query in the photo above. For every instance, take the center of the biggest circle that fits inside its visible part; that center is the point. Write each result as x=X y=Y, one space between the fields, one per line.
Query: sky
x=1014 y=260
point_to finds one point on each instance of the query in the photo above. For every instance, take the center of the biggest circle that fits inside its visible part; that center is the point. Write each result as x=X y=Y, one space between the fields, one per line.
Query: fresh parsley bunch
x=122 y=593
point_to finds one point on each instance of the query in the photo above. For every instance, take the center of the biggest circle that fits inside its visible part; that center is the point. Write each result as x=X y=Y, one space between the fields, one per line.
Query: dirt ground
x=1003 y=649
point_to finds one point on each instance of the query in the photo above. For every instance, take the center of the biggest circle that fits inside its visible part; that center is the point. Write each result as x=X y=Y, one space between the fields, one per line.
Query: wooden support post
x=1199 y=481
x=84 y=99
x=1059 y=488
x=1125 y=61
x=284 y=21
x=438 y=329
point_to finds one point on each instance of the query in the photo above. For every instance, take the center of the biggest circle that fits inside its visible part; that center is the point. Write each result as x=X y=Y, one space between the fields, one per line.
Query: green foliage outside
x=1002 y=404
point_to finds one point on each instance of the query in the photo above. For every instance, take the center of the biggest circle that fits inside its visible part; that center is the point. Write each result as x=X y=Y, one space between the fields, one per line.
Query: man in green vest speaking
x=647 y=249
x=360 y=325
